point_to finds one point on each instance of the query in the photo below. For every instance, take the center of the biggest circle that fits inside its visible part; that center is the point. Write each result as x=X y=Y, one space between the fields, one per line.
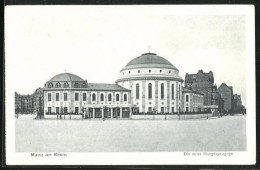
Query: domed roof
x=66 y=77
x=147 y=60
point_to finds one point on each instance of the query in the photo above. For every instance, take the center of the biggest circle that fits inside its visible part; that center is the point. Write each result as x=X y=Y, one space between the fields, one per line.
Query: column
x=143 y=96
x=168 y=96
x=111 y=112
x=121 y=112
x=102 y=112
x=97 y=97
x=156 y=95
x=121 y=98
x=130 y=95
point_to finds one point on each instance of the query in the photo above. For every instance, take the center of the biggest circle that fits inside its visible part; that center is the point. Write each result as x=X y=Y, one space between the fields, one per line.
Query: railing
x=68 y=113
x=172 y=113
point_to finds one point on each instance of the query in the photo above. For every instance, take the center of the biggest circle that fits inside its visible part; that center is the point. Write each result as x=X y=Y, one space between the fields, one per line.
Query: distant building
x=204 y=83
x=23 y=103
x=220 y=103
x=237 y=100
x=226 y=93
x=237 y=103
x=18 y=103
x=38 y=100
x=192 y=100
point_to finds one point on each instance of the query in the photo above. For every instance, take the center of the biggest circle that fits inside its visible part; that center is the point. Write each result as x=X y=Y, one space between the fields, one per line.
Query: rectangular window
x=65 y=109
x=172 y=109
x=76 y=96
x=84 y=97
x=49 y=96
x=49 y=109
x=150 y=109
x=65 y=96
x=162 y=109
x=57 y=96
x=187 y=109
x=57 y=109
x=76 y=110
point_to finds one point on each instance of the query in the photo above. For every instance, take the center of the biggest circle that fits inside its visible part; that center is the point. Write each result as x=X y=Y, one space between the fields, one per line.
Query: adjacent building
x=23 y=103
x=38 y=100
x=192 y=100
x=226 y=93
x=237 y=103
x=69 y=93
x=154 y=83
x=204 y=83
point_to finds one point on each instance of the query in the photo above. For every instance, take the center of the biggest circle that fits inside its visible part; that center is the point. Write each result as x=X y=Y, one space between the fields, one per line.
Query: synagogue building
x=148 y=83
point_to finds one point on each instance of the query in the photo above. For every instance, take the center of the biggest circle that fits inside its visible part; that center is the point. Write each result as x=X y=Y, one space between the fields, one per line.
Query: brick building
x=204 y=83
x=226 y=93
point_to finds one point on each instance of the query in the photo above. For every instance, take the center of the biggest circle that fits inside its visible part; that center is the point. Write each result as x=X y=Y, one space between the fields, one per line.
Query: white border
x=152 y=158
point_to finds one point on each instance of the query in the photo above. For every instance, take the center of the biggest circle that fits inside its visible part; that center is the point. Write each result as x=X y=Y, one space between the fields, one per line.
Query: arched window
x=76 y=85
x=57 y=85
x=117 y=97
x=102 y=97
x=125 y=97
x=93 y=97
x=137 y=91
x=150 y=90
x=50 y=85
x=187 y=98
x=110 y=97
x=172 y=91
x=66 y=85
x=179 y=91
x=162 y=91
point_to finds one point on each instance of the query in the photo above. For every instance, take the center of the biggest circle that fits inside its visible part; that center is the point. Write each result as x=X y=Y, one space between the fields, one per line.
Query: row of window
x=76 y=97
x=148 y=70
x=150 y=91
x=66 y=85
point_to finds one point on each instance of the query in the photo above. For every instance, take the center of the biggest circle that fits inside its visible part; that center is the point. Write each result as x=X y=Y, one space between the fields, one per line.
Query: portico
x=94 y=111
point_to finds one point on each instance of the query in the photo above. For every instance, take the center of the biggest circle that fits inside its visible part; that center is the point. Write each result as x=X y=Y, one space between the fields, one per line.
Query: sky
x=96 y=42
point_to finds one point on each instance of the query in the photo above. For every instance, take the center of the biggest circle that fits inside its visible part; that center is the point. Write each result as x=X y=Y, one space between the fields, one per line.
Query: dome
x=149 y=60
x=66 y=77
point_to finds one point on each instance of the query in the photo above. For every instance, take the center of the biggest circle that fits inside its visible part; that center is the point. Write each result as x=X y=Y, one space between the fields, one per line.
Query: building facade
x=23 y=103
x=68 y=93
x=226 y=93
x=192 y=100
x=237 y=103
x=38 y=100
x=154 y=83
x=204 y=83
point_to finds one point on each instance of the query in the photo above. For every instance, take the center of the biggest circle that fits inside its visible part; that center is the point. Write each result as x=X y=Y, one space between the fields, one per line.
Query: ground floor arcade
x=100 y=111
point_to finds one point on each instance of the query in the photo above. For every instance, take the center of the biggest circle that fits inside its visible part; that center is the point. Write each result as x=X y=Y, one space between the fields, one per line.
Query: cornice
x=149 y=78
